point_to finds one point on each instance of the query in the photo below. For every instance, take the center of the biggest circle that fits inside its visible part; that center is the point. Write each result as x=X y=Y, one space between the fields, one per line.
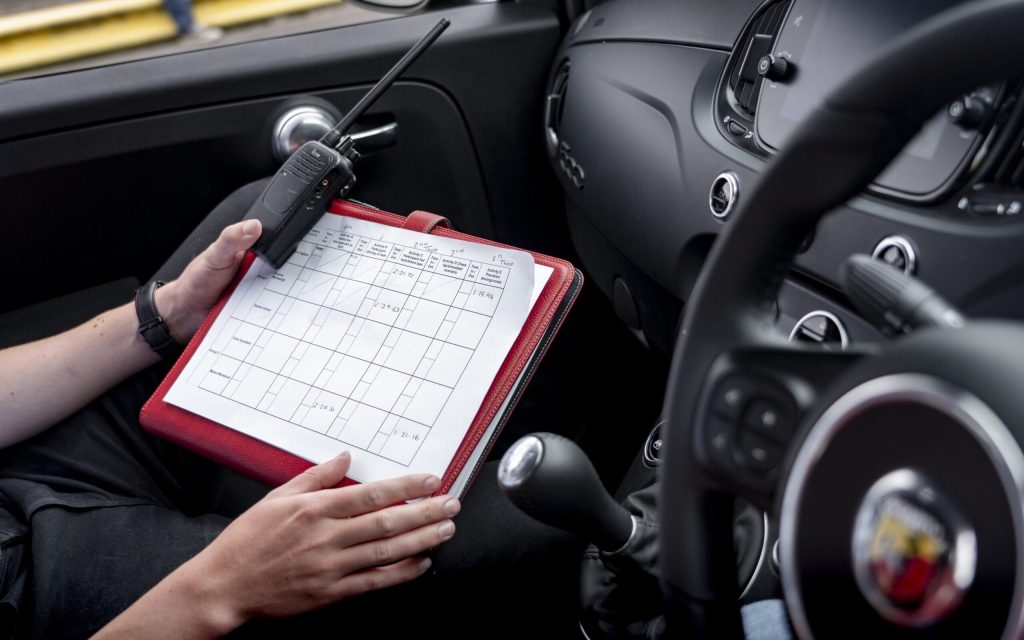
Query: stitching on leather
x=553 y=330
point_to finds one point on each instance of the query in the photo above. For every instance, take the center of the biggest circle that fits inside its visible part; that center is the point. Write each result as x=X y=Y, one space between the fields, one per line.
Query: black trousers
x=96 y=511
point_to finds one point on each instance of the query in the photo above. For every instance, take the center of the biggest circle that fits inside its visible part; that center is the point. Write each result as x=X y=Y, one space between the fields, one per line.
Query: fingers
x=382 y=577
x=322 y=476
x=225 y=251
x=393 y=521
x=389 y=550
x=373 y=496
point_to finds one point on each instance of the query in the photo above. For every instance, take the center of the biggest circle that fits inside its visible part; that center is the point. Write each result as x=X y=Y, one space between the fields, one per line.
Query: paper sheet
x=371 y=338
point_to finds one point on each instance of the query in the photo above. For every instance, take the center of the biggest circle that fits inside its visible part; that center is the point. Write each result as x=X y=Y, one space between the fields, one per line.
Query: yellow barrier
x=48 y=36
x=64 y=14
x=228 y=13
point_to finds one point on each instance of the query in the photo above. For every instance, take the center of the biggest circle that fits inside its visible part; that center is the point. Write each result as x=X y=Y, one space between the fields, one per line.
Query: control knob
x=968 y=112
x=774 y=68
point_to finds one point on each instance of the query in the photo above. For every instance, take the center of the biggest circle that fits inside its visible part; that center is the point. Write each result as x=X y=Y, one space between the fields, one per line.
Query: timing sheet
x=372 y=338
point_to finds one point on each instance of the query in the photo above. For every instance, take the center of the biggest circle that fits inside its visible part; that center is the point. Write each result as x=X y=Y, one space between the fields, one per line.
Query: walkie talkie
x=318 y=172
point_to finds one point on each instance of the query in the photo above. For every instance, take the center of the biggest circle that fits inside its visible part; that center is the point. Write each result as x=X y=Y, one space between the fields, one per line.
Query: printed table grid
x=393 y=417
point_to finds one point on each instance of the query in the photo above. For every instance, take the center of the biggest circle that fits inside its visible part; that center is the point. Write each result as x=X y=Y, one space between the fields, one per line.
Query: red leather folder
x=274 y=466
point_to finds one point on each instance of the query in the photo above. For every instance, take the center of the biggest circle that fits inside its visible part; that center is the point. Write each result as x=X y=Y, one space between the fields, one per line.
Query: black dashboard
x=662 y=114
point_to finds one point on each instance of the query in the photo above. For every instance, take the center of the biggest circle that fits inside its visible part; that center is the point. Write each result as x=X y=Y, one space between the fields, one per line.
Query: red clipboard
x=274 y=466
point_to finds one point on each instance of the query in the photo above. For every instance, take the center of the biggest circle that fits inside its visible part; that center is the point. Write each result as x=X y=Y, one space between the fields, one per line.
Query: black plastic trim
x=711 y=25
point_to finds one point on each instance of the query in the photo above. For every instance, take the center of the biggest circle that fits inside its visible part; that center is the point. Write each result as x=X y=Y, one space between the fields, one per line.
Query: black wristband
x=152 y=327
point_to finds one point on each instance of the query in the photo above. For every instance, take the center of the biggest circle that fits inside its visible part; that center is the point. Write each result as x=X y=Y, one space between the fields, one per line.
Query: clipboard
x=274 y=466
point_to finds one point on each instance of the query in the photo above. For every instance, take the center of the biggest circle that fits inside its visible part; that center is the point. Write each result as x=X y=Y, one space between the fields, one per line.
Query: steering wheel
x=897 y=468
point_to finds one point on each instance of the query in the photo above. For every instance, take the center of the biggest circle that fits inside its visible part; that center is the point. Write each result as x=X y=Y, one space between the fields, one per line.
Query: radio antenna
x=334 y=136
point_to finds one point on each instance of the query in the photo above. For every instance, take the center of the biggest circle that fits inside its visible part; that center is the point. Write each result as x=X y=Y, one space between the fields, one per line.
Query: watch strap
x=152 y=327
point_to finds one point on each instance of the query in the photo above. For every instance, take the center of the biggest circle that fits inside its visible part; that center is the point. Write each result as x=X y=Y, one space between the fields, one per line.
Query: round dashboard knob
x=774 y=67
x=968 y=112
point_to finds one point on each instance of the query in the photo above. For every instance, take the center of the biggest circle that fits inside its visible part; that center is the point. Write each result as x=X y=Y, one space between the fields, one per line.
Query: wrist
x=208 y=598
x=173 y=312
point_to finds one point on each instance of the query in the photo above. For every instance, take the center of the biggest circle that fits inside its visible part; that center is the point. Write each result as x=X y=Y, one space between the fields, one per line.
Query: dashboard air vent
x=756 y=43
x=1009 y=172
x=554 y=106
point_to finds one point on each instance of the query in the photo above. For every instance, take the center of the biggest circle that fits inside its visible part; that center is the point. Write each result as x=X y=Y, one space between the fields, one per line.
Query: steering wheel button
x=719 y=439
x=731 y=397
x=757 y=454
x=769 y=419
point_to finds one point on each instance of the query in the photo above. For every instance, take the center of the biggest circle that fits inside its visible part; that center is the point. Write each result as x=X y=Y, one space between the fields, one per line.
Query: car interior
x=793 y=374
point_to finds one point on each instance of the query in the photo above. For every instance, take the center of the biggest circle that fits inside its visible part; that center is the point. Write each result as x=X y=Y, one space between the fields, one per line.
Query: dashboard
x=661 y=114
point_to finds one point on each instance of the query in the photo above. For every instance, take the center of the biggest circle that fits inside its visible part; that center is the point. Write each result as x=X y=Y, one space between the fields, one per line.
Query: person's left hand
x=185 y=302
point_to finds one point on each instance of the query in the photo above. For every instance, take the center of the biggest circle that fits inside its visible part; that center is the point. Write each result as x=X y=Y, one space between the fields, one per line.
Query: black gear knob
x=552 y=480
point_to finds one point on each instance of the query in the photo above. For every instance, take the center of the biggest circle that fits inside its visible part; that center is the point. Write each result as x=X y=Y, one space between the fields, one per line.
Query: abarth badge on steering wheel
x=913 y=554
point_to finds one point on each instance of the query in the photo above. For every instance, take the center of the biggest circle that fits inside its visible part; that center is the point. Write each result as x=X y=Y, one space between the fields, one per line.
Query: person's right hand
x=307 y=544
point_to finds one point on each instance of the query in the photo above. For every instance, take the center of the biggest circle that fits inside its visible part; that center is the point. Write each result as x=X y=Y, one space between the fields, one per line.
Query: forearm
x=45 y=381
x=185 y=605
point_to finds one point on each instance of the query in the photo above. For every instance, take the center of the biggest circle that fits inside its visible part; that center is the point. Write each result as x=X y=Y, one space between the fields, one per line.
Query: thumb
x=223 y=253
x=323 y=476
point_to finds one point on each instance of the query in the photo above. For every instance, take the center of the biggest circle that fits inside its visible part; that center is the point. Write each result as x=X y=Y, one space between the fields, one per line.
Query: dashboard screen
x=828 y=41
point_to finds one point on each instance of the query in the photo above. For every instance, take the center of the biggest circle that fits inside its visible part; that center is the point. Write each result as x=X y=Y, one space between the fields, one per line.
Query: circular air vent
x=725 y=190
x=821 y=327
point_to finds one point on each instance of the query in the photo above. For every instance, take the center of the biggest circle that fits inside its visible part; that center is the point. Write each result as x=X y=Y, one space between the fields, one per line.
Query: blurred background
x=50 y=36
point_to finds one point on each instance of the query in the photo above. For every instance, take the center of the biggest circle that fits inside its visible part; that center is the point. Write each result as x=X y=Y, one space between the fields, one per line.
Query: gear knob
x=552 y=480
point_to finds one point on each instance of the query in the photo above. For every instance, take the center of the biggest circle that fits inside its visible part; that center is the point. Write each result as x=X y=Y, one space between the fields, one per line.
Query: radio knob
x=774 y=68
x=968 y=112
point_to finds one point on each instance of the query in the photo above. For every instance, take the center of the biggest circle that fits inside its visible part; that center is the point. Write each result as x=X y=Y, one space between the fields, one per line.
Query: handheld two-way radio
x=317 y=172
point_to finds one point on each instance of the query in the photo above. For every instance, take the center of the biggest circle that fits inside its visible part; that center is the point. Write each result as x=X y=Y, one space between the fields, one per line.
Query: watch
x=152 y=327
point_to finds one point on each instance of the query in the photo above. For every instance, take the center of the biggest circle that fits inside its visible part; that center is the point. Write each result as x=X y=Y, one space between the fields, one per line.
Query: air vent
x=554 y=107
x=1009 y=172
x=998 y=192
x=757 y=43
x=823 y=328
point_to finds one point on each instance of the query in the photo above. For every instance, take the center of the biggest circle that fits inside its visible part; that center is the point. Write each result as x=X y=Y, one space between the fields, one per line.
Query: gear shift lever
x=552 y=480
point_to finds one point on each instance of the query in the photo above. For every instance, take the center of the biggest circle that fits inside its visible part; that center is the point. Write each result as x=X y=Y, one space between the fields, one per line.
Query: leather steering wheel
x=897 y=468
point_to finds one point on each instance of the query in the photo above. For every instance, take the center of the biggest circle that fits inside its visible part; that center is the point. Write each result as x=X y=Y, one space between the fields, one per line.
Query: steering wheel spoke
x=753 y=403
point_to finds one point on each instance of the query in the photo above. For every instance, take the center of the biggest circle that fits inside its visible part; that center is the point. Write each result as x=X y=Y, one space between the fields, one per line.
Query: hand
x=185 y=302
x=306 y=544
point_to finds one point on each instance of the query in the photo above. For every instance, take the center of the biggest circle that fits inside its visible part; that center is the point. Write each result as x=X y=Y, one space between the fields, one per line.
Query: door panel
x=104 y=171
